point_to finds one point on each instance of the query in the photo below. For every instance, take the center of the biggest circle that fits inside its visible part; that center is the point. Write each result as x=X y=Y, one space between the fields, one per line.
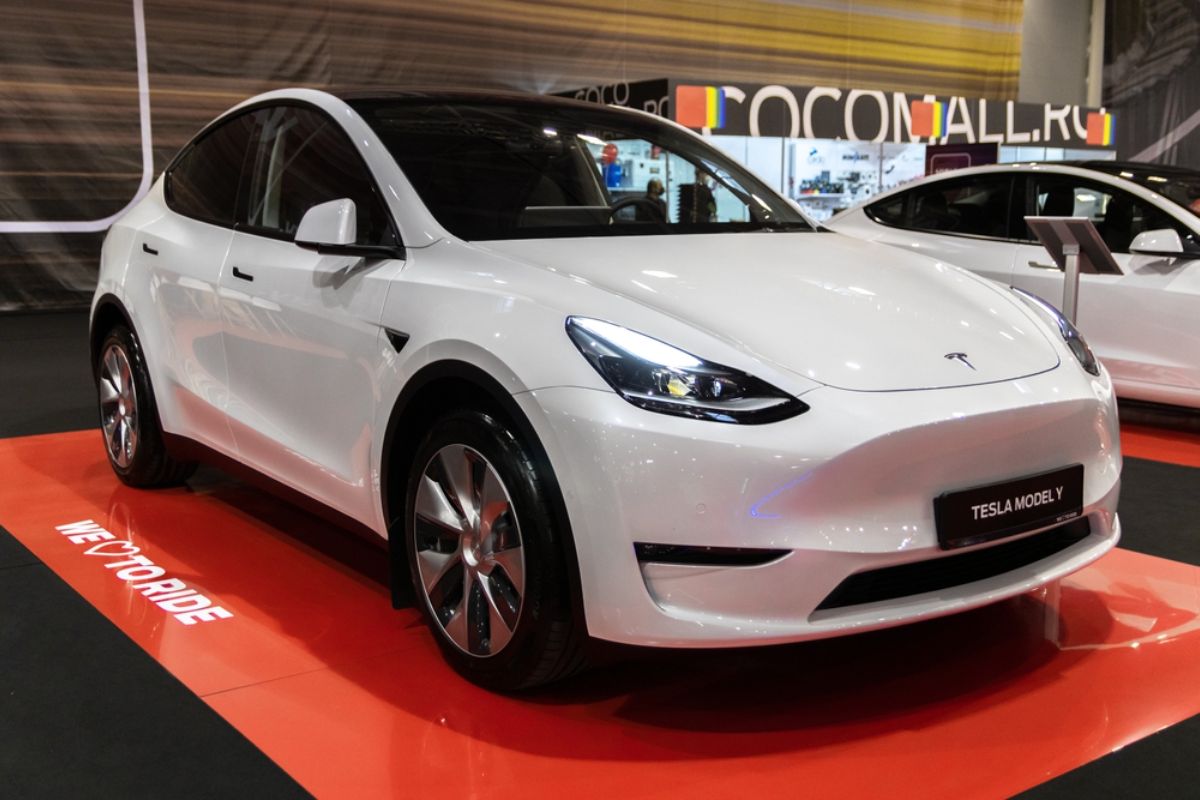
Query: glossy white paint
x=291 y=372
x=818 y=285
x=1143 y=324
x=302 y=344
x=848 y=486
x=1161 y=242
x=329 y=223
x=178 y=316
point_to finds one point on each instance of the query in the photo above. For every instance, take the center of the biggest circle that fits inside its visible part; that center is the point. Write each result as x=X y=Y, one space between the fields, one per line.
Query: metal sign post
x=1076 y=247
x=1070 y=303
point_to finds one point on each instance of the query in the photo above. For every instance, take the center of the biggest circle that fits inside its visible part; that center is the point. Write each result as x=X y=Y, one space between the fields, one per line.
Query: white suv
x=572 y=410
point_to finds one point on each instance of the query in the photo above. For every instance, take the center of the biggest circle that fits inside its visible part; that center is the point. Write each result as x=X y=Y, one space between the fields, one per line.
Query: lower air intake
x=905 y=580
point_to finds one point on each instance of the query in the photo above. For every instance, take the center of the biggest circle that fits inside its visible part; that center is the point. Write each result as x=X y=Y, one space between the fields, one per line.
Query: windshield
x=537 y=170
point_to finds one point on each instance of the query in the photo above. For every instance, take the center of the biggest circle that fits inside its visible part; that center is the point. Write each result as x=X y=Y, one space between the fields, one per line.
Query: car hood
x=839 y=311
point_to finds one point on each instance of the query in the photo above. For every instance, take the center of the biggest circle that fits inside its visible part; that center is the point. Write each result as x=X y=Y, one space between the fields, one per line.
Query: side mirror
x=335 y=222
x=331 y=228
x=1162 y=242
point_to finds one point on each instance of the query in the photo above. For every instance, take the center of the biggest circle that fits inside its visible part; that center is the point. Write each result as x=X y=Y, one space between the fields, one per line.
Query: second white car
x=1143 y=323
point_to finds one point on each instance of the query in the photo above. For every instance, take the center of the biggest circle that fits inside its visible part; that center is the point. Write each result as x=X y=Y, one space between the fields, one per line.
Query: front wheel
x=486 y=556
x=129 y=423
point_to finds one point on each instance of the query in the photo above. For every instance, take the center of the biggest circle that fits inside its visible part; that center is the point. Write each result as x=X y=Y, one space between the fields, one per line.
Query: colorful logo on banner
x=700 y=106
x=1099 y=129
x=928 y=119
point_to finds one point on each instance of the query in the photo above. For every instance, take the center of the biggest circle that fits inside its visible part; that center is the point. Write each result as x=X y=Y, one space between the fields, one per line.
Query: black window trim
x=901 y=194
x=242 y=188
x=267 y=233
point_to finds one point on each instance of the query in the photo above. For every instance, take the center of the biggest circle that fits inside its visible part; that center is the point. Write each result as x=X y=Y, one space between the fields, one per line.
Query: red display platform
x=1176 y=447
x=352 y=698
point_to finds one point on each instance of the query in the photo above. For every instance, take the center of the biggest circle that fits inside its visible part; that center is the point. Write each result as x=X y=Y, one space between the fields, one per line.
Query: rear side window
x=976 y=206
x=203 y=183
x=303 y=159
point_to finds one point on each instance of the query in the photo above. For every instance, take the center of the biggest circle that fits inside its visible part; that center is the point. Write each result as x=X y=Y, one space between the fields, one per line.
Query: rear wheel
x=129 y=423
x=486 y=556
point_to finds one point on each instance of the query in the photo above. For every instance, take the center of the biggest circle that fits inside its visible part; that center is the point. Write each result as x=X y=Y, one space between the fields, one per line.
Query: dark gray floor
x=1159 y=766
x=1160 y=510
x=47 y=382
x=85 y=712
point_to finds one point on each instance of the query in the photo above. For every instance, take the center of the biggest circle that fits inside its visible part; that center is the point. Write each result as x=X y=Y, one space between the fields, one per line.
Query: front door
x=302 y=335
x=181 y=254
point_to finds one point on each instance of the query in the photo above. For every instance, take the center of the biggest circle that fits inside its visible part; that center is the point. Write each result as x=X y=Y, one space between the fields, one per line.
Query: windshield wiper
x=787 y=225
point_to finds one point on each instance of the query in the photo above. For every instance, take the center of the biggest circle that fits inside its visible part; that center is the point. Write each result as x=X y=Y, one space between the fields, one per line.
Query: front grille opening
x=905 y=580
x=705 y=556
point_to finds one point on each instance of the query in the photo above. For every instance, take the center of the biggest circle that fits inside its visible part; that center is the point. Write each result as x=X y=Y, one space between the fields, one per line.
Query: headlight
x=658 y=377
x=1071 y=336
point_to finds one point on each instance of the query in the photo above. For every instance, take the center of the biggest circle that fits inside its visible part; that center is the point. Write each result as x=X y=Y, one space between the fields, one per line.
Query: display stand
x=1076 y=247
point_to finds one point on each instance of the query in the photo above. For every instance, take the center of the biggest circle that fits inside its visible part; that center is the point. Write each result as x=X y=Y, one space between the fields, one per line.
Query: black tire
x=142 y=459
x=546 y=643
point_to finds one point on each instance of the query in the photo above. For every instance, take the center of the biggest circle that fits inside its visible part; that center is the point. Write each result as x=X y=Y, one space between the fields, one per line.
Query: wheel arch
x=433 y=390
x=107 y=312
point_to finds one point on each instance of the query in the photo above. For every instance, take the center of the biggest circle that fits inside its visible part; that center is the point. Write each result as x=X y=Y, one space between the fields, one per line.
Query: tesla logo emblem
x=960 y=357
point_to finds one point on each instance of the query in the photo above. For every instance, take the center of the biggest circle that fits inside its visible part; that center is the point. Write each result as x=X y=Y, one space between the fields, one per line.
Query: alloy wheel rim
x=118 y=406
x=469 y=551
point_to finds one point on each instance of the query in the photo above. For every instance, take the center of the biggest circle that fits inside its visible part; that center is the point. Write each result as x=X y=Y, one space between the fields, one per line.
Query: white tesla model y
x=574 y=408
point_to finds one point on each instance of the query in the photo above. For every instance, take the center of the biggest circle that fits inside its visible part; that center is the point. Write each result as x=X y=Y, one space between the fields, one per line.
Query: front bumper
x=844 y=488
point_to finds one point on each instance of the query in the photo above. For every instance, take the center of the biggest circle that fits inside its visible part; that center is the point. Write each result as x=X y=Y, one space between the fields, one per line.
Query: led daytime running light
x=656 y=376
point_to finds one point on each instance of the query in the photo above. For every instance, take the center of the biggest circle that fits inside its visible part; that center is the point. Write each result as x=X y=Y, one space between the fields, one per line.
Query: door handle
x=1040 y=265
x=246 y=276
x=148 y=249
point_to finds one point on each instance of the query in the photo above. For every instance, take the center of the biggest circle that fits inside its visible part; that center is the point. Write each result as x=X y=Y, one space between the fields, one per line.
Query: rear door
x=1145 y=324
x=302 y=335
x=181 y=253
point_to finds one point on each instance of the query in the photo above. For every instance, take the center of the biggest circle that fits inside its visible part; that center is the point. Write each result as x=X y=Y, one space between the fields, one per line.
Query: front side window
x=303 y=159
x=203 y=181
x=532 y=170
x=1117 y=215
x=889 y=211
x=977 y=205
x=1180 y=186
